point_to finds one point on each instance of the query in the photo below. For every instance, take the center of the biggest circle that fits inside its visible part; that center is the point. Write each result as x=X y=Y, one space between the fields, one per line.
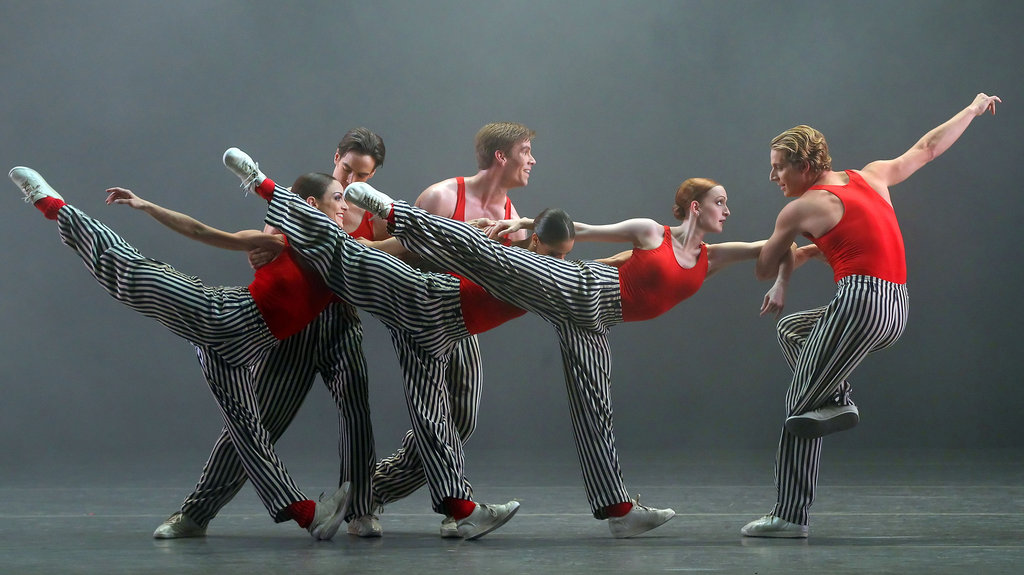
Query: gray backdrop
x=628 y=99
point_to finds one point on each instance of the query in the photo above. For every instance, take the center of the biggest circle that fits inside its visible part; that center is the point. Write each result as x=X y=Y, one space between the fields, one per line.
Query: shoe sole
x=634 y=533
x=810 y=428
x=493 y=527
x=777 y=535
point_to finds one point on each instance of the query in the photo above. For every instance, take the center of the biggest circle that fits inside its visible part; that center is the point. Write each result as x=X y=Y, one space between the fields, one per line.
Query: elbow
x=763 y=270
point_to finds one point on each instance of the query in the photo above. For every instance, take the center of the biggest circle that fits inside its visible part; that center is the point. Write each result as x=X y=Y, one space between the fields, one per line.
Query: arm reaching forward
x=192 y=228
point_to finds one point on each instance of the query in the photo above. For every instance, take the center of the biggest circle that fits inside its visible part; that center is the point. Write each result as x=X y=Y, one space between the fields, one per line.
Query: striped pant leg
x=436 y=440
x=224 y=318
x=281 y=382
x=232 y=387
x=587 y=363
x=866 y=315
x=584 y=294
x=400 y=474
x=342 y=366
x=425 y=305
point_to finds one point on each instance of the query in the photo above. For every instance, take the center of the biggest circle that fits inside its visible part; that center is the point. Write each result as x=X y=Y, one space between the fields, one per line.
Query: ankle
x=459 y=508
x=618 y=509
x=49 y=206
x=302 y=512
x=265 y=189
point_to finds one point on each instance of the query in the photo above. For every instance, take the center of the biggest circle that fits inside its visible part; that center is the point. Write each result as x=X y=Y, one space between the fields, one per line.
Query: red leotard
x=867 y=240
x=652 y=281
x=460 y=205
x=288 y=296
x=365 y=228
x=480 y=310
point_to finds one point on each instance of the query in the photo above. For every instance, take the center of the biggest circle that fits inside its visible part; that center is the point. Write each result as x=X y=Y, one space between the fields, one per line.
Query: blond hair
x=804 y=144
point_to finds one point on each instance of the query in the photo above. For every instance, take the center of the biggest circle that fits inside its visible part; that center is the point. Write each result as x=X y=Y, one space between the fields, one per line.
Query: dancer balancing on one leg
x=849 y=217
x=330 y=345
x=232 y=328
x=580 y=299
x=428 y=315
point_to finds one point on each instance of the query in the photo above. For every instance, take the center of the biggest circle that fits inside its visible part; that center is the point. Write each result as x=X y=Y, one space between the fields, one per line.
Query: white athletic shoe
x=823 y=421
x=450 y=528
x=640 y=519
x=32 y=184
x=244 y=167
x=365 y=526
x=330 y=513
x=486 y=518
x=370 y=199
x=772 y=526
x=177 y=526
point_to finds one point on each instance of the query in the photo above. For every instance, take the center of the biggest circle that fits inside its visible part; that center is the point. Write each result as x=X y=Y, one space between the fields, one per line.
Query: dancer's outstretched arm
x=190 y=227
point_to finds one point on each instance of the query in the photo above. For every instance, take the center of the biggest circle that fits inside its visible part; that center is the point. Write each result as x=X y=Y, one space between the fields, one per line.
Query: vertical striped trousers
x=823 y=346
x=581 y=300
x=332 y=347
x=402 y=473
x=223 y=324
x=423 y=313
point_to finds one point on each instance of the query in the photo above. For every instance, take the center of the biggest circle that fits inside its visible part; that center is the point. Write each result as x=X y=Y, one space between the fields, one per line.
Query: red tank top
x=365 y=229
x=867 y=240
x=480 y=310
x=652 y=281
x=460 y=205
x=288 y=296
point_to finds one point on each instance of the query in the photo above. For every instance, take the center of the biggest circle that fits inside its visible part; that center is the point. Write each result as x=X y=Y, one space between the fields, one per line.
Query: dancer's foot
x=244 y=167
x=365 y=196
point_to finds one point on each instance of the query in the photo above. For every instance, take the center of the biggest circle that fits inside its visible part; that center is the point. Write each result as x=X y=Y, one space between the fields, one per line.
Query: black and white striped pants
x=401 y=473
x=823 y=346
x=229 y=334
x=580 y=299
x=423 y=313
x=332 y=347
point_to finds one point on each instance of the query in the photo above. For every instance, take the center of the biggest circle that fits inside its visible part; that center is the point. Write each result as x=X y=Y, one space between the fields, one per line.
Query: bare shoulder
x=439 y=198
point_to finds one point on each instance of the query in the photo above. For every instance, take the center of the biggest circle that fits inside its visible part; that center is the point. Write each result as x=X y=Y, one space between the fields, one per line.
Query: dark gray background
x=628 y=99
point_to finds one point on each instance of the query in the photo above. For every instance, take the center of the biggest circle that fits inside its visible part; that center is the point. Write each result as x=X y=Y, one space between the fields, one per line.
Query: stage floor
x=877 y=512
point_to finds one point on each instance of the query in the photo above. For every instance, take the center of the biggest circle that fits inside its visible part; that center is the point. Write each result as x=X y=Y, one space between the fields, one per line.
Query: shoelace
x=28 y=189
x=636 y=503
x=248 y=182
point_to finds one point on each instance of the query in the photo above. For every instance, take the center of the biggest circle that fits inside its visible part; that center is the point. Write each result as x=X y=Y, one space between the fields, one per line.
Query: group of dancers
x=462 y=261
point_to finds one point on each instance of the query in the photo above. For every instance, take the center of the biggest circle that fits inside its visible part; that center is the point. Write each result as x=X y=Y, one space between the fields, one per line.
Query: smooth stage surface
x=877 y=512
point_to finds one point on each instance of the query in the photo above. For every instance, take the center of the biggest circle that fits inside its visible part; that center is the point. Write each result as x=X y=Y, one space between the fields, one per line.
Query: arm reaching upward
x=190 y=227
x=884 y=173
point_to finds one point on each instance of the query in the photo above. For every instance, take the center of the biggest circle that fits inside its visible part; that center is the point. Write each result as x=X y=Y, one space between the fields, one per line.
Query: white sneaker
x=365 y=526
x=244 y=167
x=367 y=197
x=330 y=513
x=486 y=518
x=32 y=184
x=450 y=528
x=177 y=526
x=823 y=421
x=640 y=519
x=772 y=526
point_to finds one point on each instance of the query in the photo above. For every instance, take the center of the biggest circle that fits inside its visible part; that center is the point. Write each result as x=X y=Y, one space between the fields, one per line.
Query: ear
x=337 y=157
x=534 y=242
x=499 y=156
x=695 y=207
x=311 y=201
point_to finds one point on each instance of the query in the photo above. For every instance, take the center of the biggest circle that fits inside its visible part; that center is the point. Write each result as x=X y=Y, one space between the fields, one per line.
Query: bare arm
x=641 y=232
x=190 y=227
x=885 y=173
x=778 y=248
